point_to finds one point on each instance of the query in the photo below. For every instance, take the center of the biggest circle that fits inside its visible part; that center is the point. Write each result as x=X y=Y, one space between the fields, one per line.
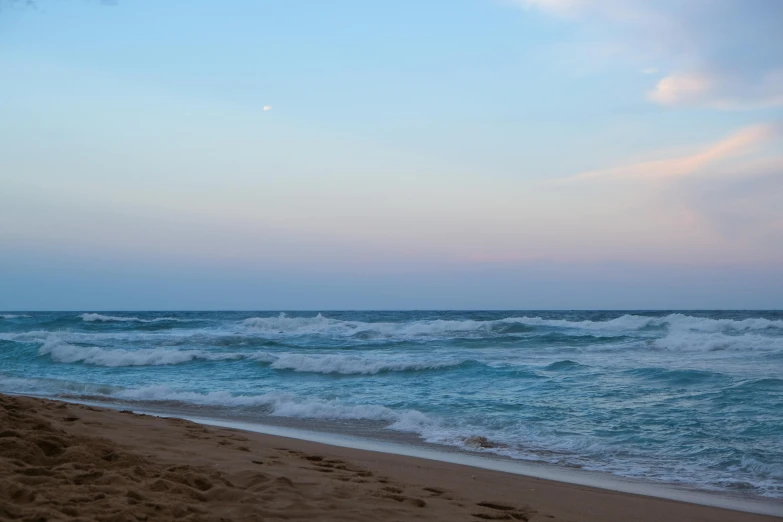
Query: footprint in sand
x=418 y=502
x=434 y=491
x=502 y=511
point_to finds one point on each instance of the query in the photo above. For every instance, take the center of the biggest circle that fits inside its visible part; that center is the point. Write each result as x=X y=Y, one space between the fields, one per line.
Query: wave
x=620 y=324
x=689 y=341
x=90 y=318
x=285 y=405
x=628 y=323
x=169 y=338
x=53 y=387
x=354 y=364
x=13 y=316
x=62 y=352
x=705 y=324
x=274 y=403
x=345 y=364
x=750 y=464
x=283 y=325
x=322 y=326
x=564 y=365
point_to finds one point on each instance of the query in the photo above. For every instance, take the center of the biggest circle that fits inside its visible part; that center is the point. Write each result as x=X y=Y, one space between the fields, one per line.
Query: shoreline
x=416 y=448
x=410 y=447
x=160 y=439
x=537 y=470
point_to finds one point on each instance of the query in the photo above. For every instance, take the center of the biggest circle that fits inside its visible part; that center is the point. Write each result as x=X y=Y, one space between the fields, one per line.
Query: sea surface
x=689 y=398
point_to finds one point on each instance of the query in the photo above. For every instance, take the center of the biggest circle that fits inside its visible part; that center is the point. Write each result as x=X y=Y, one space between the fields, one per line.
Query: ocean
x=691 y=398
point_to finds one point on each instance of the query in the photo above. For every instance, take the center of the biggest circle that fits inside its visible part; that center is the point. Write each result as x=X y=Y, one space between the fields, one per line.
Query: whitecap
x=283 y=326
x=62 y=352
x=690 y=341
x=91 y=317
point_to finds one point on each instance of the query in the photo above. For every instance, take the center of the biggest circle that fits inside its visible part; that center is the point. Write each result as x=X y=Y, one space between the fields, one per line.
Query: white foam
x=283 y=323
x=691 y=341
x=282 y=326
x=31 y=336
x=12 y=316
x=774 y=470
x=355 y=364
x=619 y=324
x=704 y=324
x=90 y=317
x=319 y=409
x=61 y=351
x=197 y=336
x=218 y=398
x=320 y=325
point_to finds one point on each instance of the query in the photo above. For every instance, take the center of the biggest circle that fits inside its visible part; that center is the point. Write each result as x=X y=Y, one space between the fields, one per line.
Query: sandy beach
x=63 y=461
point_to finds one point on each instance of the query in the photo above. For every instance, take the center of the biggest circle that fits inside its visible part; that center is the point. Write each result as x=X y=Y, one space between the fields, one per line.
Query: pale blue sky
x=417 y=154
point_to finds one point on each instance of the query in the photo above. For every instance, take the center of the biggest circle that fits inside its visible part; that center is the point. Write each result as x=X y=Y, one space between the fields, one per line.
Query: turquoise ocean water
x=690 y=398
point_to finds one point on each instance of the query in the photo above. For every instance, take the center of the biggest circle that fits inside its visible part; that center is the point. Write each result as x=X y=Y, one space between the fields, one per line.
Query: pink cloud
x=742 y=142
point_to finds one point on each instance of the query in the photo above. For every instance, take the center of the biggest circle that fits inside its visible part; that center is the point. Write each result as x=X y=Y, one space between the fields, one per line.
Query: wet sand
x=62 y=461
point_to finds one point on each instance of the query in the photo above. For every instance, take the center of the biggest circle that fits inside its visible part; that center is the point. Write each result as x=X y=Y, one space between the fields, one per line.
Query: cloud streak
x=743 y=142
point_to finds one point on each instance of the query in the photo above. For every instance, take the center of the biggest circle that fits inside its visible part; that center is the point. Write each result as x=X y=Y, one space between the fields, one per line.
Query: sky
x=407 y=154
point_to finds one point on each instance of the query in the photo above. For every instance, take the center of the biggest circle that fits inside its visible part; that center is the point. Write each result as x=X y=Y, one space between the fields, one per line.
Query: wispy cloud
x=720 y=53
x=720 y=90
x=742 y=142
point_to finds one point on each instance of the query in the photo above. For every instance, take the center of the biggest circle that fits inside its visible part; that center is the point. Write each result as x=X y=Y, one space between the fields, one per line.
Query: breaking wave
x=691 y=341
x=90 y=318
x=285 y=405
x=283 y=325
x=62 y=352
